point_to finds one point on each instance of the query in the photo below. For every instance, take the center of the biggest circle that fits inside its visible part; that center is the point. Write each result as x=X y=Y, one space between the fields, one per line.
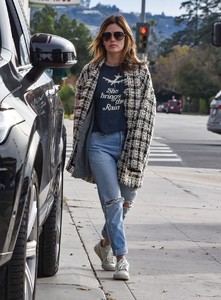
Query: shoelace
x=110 y=257
x=122 y=265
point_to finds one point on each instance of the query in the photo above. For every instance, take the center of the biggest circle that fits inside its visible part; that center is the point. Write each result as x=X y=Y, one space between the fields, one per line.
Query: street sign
x=56 y=2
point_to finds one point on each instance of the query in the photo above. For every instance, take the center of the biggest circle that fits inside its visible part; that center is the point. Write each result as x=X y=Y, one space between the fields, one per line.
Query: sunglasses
x=118 y=35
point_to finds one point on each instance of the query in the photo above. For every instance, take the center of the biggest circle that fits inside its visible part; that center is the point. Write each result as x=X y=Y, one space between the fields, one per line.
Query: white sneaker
x=122 y=270
x=106 y=256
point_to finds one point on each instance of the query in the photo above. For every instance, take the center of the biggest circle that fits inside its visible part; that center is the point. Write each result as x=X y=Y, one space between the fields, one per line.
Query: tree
x=196 y=10
x=81 y=38
x=63 y=27
x=192 y=16
x=200 y=16
x=193 y=72
x=165 y=69
x=46 y=21
x=197 y=75
x=152 y=42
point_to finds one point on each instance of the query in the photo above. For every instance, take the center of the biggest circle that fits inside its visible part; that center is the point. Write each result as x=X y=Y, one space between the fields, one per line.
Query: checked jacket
x=140 y=111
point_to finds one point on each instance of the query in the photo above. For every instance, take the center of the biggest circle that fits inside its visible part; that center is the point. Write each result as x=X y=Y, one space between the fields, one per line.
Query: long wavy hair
x=129 y=59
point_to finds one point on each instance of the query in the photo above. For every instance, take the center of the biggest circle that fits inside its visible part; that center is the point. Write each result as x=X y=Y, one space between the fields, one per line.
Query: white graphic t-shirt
x=109 y=101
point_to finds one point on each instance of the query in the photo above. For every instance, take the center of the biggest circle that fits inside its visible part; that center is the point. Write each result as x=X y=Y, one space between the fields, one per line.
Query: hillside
x=93 y=17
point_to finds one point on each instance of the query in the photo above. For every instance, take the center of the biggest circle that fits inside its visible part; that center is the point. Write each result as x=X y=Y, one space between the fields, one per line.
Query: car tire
x=21 y=272
x=50 y=238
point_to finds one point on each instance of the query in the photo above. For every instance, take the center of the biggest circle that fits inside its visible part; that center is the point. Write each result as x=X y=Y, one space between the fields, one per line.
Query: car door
x=41 y=96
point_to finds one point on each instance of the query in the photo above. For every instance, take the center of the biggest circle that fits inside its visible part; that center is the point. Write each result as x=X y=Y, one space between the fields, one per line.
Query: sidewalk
x=173 y=234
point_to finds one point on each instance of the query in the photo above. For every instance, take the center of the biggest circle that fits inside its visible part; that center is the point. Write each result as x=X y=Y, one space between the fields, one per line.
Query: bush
x=67 y=93
x=203 y=109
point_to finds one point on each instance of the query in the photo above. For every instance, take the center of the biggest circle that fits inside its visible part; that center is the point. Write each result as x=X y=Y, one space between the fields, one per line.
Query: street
x=173 y=231
x=189 y=138
x=180 y=140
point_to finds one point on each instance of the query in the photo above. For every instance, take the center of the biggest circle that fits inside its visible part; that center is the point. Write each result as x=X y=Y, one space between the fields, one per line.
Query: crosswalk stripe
x=164 y=154
x=158 y=153
x=165 y=159
x=161 y=150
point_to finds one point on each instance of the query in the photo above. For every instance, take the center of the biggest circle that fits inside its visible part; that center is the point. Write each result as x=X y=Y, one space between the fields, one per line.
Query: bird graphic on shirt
x=116 y=80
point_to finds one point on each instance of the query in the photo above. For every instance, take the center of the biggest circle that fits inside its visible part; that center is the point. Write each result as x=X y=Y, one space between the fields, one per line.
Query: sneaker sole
x=120 y=277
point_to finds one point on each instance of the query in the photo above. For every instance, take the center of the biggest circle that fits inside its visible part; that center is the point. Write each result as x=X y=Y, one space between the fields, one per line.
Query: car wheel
x=50 y=238
x=21 y=273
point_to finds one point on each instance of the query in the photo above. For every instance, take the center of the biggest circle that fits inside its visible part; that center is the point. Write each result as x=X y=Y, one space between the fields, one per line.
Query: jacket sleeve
x=78 y=104
x=143 y=122
x=77 y=118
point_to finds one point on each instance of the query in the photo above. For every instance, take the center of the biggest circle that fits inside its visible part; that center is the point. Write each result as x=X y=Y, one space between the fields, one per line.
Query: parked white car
x=214 y=121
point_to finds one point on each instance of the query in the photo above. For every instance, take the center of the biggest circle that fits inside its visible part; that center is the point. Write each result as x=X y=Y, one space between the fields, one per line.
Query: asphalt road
x=188 y=138
x=179 y=141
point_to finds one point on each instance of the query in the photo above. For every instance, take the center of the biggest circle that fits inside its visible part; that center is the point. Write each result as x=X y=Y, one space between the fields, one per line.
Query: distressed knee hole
x=112 y=201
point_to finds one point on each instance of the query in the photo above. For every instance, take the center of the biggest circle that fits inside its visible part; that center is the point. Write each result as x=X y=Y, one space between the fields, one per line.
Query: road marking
x=159 y=152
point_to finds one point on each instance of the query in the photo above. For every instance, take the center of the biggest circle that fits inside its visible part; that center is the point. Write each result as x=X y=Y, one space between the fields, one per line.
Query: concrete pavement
x=173 y=234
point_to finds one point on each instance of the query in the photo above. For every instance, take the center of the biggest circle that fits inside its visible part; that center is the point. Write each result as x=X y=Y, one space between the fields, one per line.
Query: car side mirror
x=49 y=51
x=216 y=34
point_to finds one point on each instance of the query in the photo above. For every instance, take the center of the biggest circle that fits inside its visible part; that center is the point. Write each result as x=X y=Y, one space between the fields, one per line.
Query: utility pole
x=142 y=34
x=142 y=16
x=143 y=20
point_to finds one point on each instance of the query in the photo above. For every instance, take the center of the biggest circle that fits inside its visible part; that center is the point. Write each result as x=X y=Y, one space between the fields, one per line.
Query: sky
x=169 y=7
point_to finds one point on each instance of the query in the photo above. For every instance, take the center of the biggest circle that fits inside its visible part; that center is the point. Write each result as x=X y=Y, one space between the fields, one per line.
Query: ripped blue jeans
x=116 y=198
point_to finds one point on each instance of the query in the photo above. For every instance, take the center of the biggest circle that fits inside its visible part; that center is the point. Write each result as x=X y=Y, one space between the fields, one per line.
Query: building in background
x=38 y=3
x=56 y=2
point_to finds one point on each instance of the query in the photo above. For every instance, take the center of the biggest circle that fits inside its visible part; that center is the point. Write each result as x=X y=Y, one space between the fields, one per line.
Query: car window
x=20 y=46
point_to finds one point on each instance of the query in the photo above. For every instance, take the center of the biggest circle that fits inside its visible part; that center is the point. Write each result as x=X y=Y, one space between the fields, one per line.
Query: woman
x=117 y=86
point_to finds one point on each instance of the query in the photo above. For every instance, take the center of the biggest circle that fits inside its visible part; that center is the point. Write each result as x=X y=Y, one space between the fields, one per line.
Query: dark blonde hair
x=129 y=57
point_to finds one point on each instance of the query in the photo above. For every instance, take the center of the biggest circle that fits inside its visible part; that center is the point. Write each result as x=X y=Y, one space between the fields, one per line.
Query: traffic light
x=142 y=33
x=216 y=34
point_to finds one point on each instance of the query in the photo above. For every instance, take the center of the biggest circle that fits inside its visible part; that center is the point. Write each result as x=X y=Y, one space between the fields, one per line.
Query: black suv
x=32 y=153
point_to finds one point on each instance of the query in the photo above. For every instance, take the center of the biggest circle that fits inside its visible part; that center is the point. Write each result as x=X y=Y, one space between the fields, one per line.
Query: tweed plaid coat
x=140 y=111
